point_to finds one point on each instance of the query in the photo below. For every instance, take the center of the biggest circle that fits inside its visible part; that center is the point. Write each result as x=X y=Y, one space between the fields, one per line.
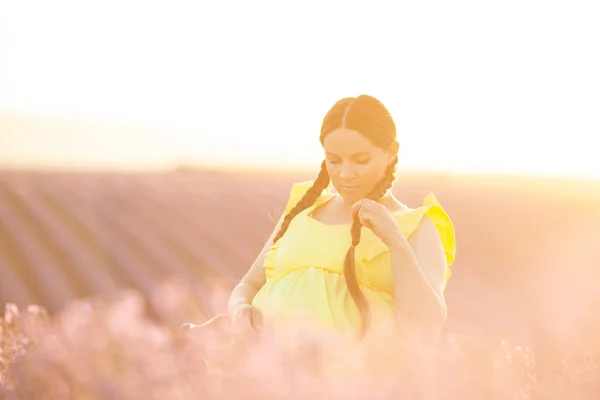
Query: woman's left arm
x=419 y=269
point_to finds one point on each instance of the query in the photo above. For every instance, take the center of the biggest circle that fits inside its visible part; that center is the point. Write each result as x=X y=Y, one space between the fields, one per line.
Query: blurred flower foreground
x=110 y=349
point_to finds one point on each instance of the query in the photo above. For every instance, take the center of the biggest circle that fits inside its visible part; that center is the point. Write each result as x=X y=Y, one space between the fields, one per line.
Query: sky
x=473 y=86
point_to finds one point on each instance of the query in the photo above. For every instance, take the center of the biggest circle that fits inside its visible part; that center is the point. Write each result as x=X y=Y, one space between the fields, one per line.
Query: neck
x=347 y=203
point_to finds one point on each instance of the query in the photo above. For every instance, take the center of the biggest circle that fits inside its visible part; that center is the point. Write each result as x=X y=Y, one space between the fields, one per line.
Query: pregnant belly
x=316 y=298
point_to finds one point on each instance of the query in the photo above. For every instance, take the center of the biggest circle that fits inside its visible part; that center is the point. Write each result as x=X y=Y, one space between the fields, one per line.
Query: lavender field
x=99 y=271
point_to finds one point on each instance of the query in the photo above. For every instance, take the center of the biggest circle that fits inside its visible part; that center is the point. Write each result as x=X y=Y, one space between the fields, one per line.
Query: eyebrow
x=363 y=153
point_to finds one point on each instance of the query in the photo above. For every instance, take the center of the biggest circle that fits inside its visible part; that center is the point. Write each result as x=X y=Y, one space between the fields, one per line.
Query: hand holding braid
x=371 y=213
x=385 y=230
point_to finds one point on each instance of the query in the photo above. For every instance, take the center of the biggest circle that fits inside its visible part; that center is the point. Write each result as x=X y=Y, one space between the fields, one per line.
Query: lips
x=349 y=187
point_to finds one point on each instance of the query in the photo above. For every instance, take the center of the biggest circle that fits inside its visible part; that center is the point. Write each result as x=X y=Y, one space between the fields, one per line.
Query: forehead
x=345 y=142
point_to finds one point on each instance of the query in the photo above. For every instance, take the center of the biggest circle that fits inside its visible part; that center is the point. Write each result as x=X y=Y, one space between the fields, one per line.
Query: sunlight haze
x=508 y=87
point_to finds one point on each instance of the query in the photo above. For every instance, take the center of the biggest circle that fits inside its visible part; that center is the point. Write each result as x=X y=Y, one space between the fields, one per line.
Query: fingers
x=359 y=205
x=248 y=321
x=366 y=217
x=365 y=203
x=356 y=207
x=366 y=210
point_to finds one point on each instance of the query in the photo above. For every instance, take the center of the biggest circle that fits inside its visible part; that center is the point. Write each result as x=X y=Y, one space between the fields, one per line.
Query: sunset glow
x=510 y=87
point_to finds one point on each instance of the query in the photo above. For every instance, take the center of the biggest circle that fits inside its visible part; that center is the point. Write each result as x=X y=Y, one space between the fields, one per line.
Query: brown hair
x=368 y=116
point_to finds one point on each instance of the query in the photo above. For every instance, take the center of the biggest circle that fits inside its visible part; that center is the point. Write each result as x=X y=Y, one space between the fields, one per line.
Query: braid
x=349 y=266
x=385 y=183
x=306 y=201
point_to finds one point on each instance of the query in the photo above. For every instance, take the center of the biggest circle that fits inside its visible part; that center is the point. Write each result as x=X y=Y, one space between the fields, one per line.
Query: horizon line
x=280 y=169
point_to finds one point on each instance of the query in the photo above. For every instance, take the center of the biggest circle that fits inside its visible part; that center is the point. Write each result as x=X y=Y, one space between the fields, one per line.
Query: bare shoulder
x=426 y=233
x=394 y=205
x=429 y=250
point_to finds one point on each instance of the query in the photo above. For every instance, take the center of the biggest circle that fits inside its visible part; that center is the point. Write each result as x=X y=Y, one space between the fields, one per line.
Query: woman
x=347 y=256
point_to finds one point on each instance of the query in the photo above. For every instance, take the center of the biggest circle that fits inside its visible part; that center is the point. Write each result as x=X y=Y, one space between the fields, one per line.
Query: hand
x=246 y=318
x=378 y=219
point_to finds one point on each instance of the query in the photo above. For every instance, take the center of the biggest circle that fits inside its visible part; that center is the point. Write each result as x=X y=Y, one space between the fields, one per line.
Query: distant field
x=526 y=267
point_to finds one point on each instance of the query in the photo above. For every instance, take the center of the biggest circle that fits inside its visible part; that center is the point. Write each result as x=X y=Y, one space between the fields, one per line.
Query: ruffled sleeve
x=445 y=227
x=409 y=222
x=297 y=191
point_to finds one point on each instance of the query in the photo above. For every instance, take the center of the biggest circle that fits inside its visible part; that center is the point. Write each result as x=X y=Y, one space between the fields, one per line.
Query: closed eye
x=360 y=161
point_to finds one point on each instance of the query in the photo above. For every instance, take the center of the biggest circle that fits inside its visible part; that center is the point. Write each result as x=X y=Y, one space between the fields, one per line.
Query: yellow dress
x=305 y=284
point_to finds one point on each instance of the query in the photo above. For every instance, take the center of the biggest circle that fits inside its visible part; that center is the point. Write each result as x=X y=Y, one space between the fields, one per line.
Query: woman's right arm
x=254 y=279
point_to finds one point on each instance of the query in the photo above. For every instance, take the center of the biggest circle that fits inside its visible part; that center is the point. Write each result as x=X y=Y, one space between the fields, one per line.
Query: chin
x=352 y=193
x=352 y=198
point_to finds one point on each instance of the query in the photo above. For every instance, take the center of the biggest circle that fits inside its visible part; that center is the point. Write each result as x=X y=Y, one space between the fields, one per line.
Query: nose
x=347 y=171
